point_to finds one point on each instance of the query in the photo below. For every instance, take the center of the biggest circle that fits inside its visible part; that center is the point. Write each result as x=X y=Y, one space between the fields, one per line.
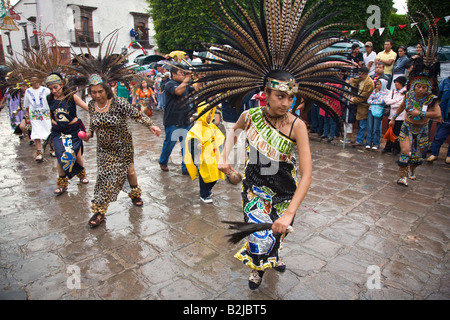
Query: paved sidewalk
x=355 y=224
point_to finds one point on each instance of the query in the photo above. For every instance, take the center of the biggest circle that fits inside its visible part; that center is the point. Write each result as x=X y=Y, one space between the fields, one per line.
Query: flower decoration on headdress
x=280 y=38
x=95 y=79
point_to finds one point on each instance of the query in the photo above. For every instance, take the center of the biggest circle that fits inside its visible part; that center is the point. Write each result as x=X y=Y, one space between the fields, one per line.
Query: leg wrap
x=403 y=172
x=403 y=160
x=136 y=192
x=99 y=208
x=82 y=174
x=62 y=182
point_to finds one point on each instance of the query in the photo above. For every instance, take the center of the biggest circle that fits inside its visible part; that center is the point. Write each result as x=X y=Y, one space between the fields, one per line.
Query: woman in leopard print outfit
x=115 y=155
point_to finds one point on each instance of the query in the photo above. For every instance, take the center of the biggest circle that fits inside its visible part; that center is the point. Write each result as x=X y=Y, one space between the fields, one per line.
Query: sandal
x=138 y=202
x=135 y=196
x=82 y=176
x=62 y=183
x=39 y=156
x=60 y=190
x=96 y=220
x=255 y=279
x=281 y=266
x=403 y=181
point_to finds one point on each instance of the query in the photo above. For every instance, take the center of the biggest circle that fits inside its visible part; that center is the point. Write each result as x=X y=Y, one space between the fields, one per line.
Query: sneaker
x=375 y=148
x=348 y=141
x=206 y=200
x=447 y=160
x=431 y=158
x=367 y=147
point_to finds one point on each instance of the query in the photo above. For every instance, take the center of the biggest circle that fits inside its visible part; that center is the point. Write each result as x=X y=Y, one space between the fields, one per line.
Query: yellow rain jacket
x=204 y=161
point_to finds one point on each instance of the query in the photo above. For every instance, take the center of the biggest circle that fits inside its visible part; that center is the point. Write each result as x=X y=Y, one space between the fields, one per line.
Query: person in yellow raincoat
x=203 y=144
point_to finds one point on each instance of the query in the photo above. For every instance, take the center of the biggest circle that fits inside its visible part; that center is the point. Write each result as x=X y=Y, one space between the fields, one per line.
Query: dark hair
x=107 y=88
x=364 y=70
x=401 y=80
x=176 y=66
x=390 y=41
x=354 y=46
x=65 y=89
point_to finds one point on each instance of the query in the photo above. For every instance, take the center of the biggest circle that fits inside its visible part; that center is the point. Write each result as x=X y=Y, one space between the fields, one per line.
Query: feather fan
x=245 y=229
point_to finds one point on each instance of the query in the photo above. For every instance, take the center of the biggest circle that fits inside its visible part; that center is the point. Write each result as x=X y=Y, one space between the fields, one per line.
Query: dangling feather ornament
x=426 y=68
x=281 y=37
x=245 y=229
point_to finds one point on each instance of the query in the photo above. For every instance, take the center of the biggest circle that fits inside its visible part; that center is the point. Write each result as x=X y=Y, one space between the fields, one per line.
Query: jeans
x=161 y=101
x=316 y=121
x=205 y=188
x=362 y=125
x=173 y=134
x=442 y=132
x=329 y=127
x=373 y=130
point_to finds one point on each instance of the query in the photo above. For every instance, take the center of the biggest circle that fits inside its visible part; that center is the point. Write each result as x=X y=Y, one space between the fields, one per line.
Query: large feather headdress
x=280 y=38
x=39 y=64
x=106 y=67
x=426 y=68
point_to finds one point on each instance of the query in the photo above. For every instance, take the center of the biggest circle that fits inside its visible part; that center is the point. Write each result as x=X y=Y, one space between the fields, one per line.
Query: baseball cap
x=368 y=44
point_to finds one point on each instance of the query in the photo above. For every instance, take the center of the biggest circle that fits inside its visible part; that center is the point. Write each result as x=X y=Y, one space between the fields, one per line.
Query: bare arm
x=182 y=87
x=80 y=102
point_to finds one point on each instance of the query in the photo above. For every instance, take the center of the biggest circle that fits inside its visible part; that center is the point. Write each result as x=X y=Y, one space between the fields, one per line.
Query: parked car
x=443 y=53
x=344 y=45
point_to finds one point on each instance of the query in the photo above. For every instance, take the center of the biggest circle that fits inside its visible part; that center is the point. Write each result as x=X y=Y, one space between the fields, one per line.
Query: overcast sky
x=400 y=5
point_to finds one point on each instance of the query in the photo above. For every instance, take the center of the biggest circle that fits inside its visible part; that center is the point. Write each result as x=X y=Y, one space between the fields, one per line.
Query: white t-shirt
x=36 y=101
x=371 y=57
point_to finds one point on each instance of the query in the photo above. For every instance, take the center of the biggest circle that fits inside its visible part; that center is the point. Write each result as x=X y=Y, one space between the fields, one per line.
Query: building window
x=84 y=26
x=141 y=29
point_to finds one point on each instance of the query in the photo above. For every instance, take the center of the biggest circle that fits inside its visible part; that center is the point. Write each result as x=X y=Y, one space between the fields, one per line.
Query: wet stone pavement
x=357 y=235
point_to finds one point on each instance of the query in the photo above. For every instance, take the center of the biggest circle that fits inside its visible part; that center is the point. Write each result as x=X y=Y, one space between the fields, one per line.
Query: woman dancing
x=65 y=127
x=108 y=120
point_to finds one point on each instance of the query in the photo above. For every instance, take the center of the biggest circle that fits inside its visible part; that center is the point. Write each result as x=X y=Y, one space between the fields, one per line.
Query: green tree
x=179 y=23
x=439 y=9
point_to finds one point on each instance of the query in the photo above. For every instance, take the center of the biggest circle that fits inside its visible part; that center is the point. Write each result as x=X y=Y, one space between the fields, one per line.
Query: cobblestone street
x=354 y=222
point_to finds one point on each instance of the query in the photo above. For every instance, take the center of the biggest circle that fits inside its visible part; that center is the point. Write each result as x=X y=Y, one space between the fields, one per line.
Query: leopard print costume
x=115 y=150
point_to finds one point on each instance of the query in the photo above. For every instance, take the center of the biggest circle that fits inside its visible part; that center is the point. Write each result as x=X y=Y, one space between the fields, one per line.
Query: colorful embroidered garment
x=267 y=188
x=65 y=138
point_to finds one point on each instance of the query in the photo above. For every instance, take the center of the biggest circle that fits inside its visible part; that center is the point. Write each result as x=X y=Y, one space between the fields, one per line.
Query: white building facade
x=73 y=23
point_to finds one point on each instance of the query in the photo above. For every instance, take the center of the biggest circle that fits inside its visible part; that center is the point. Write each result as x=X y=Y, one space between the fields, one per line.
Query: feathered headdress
x=39 y=64
x=280 y=38
x=105 y=68
x=426 y=68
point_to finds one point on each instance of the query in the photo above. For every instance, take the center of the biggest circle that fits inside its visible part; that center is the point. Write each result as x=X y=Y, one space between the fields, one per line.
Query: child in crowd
x=376 y=102
x=394 y=99
x=202 y=153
